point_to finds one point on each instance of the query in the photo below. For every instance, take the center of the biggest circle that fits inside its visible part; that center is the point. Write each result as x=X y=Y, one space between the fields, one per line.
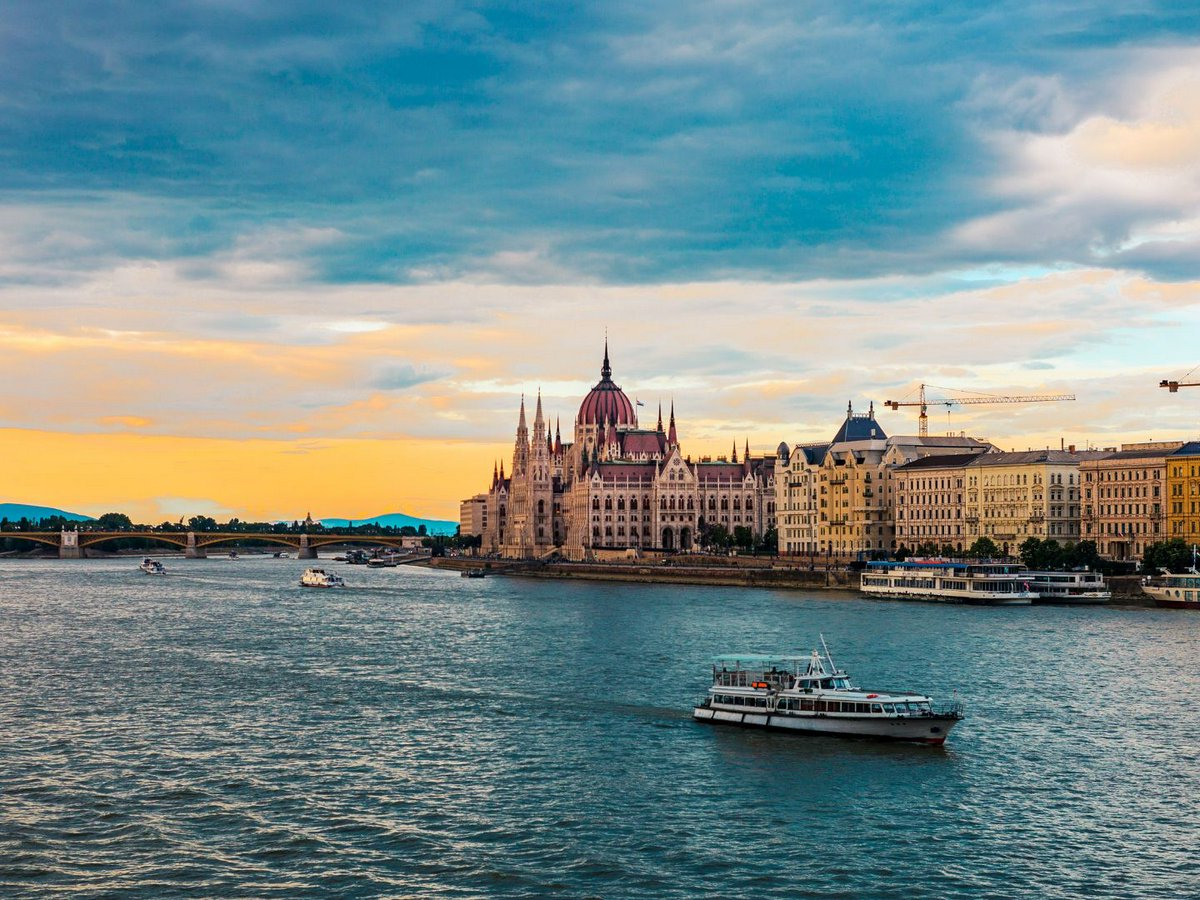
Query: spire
x=521 y=422
x=660 y=415
x=501 y=470
x=537 y=416
x=871 y=411
x=746 y=455
x=672 y=440
x=495 y=474
x=734 y=457
x=606 y=369
x=557 y=435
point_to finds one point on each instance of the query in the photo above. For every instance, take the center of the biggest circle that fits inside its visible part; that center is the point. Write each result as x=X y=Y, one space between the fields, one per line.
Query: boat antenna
x=829 y=656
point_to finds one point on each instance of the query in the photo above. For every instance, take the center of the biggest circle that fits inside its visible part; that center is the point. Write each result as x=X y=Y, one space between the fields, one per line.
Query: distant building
x=1124 y=501
x=1183 y=493
x=1015 y=496
x=855 y=490
x=617 y=485
x=473 y=516
x=797 y=480
x=931 y=501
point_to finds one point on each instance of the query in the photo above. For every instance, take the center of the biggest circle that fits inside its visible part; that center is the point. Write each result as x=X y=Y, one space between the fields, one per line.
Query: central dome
x=606 y=402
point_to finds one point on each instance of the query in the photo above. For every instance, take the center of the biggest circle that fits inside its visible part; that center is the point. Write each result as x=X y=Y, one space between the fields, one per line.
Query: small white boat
x=319 y=578
x=950 y=581
x=1074 y=588
x=152 y=567
x=801 y=694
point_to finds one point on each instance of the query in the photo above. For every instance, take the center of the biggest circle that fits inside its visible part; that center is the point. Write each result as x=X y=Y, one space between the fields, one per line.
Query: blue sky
x=770 y=206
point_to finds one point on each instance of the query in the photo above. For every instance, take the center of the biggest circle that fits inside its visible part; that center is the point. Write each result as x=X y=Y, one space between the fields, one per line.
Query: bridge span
x=195 y=544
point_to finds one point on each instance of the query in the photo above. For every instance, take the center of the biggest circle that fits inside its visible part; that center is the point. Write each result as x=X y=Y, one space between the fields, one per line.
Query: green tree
x=1084 y=555
x=983 y=548
x=422 y=530
x=770 y=540
x=743 y=537
x=202 y=523
x=113 y=521
x=1174 y=555
x=718 y=537
x=902 y=553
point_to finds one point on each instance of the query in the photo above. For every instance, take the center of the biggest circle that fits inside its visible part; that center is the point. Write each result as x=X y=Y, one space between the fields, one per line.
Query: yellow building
x=1015 y=496
x=1183 y=493
x=856 y=497
x=797 y=478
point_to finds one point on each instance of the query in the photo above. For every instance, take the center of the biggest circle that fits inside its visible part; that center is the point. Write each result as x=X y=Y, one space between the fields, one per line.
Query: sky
x=261 y=259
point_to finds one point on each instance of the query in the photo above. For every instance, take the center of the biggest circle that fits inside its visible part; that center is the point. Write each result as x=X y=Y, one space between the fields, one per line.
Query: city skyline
x=255 y=264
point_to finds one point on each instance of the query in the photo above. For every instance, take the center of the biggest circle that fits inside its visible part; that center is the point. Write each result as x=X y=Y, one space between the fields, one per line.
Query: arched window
x=737 y=503
x=662 y=502
x=724 y=503
x=595 y=531
x=749 y=504
x=672 y=503
x=633 y=504
x=595 y=503
x=712 y=503
x=541 y=507
x=608 y=503
x=621 y=503
x=691 y=503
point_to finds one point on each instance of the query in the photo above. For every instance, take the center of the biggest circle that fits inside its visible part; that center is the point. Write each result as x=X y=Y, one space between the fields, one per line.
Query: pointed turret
x=733 y=458
x=557 y=436
x=660 y=428
x=672 y=440
x=495 y=474
x=521 y=445
x=606 y=369
x=502 y=470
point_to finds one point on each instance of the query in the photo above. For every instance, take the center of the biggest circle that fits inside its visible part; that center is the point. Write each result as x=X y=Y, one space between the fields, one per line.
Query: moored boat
x=1175 y=591
x=803 y=694
x=152 y=567
x=1073 y=588
x=473 y=573
x=949 y=581
x=319 y=578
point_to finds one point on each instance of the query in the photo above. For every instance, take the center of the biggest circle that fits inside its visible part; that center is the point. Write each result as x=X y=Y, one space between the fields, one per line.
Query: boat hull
x=1164 y=603
x=1021 y=598
x=931 y=730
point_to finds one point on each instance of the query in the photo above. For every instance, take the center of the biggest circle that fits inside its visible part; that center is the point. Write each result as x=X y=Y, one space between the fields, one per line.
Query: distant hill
x=14 y=512
x=396 y=520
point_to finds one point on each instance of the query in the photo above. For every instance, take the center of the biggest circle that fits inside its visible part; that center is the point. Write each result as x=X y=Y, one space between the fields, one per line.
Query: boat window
x=739 y=701
x=876 y=708
x=807 y=705
x=889 y=708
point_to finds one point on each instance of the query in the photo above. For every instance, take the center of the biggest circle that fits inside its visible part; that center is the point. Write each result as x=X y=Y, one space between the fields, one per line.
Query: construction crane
x=923 y=402
x=1174 y=386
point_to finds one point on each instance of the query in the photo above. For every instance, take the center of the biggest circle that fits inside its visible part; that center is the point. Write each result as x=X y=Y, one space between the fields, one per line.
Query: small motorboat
x=319 y=578
x=152 y=567
x=473 y=573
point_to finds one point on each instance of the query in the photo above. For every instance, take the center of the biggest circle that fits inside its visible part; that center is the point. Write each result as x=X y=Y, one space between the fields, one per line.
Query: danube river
x=221 y=732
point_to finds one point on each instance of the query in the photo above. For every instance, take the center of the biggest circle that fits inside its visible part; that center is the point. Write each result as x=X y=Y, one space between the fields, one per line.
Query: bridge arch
x=172 y=539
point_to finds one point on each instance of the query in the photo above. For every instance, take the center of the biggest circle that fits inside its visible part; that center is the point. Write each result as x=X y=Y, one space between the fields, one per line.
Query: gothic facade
x=616 y=486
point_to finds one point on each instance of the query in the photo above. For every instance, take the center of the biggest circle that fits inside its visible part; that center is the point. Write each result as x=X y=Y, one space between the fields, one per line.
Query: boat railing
x=952 y=708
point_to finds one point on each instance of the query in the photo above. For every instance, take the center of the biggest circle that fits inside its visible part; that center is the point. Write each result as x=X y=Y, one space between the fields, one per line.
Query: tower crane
x=923 y=402
x=1174 y=386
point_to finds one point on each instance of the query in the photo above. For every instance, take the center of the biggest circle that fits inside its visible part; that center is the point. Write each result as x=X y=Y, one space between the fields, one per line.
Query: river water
x=221 y=732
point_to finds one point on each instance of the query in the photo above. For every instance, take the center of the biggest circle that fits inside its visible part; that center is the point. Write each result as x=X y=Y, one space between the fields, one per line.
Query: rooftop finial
x=606 y=369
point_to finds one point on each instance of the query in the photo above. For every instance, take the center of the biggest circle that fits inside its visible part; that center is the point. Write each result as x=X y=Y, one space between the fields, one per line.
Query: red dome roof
x=606 y=402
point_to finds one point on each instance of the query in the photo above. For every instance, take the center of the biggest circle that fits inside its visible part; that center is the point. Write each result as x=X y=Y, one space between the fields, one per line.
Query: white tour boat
x=1069 y=587
x=802 y=694
x=319 y=578
x=950 y=581
x=152 y=567
x=1175 y=591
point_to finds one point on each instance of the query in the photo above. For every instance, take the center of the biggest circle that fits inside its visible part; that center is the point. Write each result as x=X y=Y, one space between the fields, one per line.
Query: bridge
x=195 y=544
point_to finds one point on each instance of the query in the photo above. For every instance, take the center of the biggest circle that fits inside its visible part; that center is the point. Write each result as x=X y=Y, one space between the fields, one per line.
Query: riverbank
x=1126 y=590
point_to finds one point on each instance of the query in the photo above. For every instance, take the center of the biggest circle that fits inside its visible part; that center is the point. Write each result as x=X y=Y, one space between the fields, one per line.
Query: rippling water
x=221 y=732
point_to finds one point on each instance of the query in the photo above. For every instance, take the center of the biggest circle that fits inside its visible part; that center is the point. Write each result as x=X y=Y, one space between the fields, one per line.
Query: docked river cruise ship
x=1175 y=591
x=803 y=694
x=949 y=581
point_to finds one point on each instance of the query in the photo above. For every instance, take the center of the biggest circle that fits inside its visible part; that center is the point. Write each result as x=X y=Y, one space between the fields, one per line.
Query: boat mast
x=829 y=656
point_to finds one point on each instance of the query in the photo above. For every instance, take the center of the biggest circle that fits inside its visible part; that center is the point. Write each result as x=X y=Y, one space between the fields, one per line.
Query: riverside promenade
x=729 y=572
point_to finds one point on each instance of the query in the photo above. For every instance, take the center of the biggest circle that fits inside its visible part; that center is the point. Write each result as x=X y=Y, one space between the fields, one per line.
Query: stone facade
x=931 y=502
x=618 y=486
x=856 y=492
x=797 y=480
x=1124 y=501
x=1183 y=494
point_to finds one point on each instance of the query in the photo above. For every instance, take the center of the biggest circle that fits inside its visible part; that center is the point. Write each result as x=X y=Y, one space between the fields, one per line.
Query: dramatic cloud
x=314 y=222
